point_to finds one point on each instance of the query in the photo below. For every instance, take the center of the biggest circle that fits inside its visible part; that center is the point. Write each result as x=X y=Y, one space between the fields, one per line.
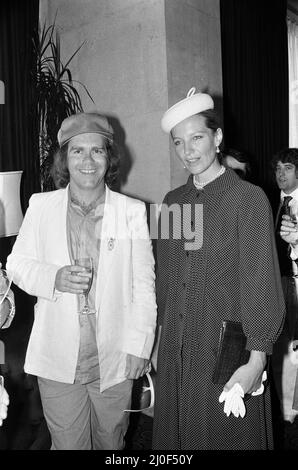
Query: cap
x=83 y=123
x=193 y=103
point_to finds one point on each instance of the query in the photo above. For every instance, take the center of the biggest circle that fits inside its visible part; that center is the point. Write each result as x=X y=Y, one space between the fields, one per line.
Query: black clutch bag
x=231 y=352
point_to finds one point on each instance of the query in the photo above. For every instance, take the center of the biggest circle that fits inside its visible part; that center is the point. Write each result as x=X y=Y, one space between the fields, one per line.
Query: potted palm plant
x=55 y=96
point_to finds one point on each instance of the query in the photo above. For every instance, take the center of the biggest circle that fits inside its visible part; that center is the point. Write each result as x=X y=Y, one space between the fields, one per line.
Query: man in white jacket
x=86 y=361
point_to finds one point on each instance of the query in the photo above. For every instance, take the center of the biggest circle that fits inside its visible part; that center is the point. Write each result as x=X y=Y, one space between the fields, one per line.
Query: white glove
x=233 y=401
x=261 y=389
x=234 y=398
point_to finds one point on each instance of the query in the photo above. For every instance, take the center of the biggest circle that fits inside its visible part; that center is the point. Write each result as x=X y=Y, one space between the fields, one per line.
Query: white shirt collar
x=293 y=194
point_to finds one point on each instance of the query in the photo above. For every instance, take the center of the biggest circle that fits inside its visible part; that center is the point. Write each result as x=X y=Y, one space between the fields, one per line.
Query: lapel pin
x=111 y=243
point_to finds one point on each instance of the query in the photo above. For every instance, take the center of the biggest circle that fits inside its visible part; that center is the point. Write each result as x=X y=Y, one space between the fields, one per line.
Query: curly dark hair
x=60 y=173
x=287 y=155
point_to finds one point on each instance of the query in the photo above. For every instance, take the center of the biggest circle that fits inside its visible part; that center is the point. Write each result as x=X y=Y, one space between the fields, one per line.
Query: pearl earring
x=217 y=149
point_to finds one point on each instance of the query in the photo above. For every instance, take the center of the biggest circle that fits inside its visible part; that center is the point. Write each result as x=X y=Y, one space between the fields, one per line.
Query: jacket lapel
x=60 y=215
x=109 y=241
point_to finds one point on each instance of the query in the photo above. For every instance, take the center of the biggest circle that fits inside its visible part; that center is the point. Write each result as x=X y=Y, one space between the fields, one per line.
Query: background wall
x=193 y=48
x=139 y=57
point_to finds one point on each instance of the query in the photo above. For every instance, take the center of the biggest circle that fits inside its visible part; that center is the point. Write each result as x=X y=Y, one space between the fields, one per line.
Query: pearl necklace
x=201 y=185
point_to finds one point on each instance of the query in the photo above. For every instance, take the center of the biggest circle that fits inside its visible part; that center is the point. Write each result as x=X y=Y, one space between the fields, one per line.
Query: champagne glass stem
x=87 y=264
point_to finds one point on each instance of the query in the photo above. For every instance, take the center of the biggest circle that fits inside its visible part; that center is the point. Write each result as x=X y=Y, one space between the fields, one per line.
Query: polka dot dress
x=234 y=275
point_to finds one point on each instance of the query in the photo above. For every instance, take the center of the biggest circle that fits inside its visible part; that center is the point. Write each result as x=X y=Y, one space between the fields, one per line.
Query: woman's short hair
x=60 y=173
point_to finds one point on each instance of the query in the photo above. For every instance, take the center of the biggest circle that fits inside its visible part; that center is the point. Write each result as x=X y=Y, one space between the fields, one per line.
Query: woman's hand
x=249 y=376
x=72 y=279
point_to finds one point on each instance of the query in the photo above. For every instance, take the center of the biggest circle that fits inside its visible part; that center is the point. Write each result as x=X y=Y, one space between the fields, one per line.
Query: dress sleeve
x=262 y=301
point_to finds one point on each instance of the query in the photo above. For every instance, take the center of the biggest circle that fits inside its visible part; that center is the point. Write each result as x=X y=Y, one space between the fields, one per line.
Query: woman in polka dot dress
x=228 y=271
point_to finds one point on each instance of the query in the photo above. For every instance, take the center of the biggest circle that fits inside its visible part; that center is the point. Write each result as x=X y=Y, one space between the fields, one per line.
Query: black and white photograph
x=149 y=228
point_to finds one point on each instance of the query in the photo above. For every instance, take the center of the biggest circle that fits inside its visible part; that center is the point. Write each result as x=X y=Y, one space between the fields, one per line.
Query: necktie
x=284 y=209
x=285 y=205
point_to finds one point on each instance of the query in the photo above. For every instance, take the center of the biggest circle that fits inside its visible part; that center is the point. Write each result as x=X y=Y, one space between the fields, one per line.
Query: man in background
x=285 y=166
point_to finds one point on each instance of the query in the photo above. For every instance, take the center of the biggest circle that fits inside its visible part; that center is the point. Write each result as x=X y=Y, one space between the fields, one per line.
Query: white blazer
x=125 y=290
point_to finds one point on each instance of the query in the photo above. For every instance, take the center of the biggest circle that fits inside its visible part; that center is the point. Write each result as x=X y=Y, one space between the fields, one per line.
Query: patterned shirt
x=83 y=233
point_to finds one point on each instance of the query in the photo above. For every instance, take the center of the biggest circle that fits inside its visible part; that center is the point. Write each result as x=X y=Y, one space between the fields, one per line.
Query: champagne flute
x=86 y=263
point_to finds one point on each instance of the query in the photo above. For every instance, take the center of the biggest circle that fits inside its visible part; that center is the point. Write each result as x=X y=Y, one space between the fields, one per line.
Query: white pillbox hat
x=193 y=103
